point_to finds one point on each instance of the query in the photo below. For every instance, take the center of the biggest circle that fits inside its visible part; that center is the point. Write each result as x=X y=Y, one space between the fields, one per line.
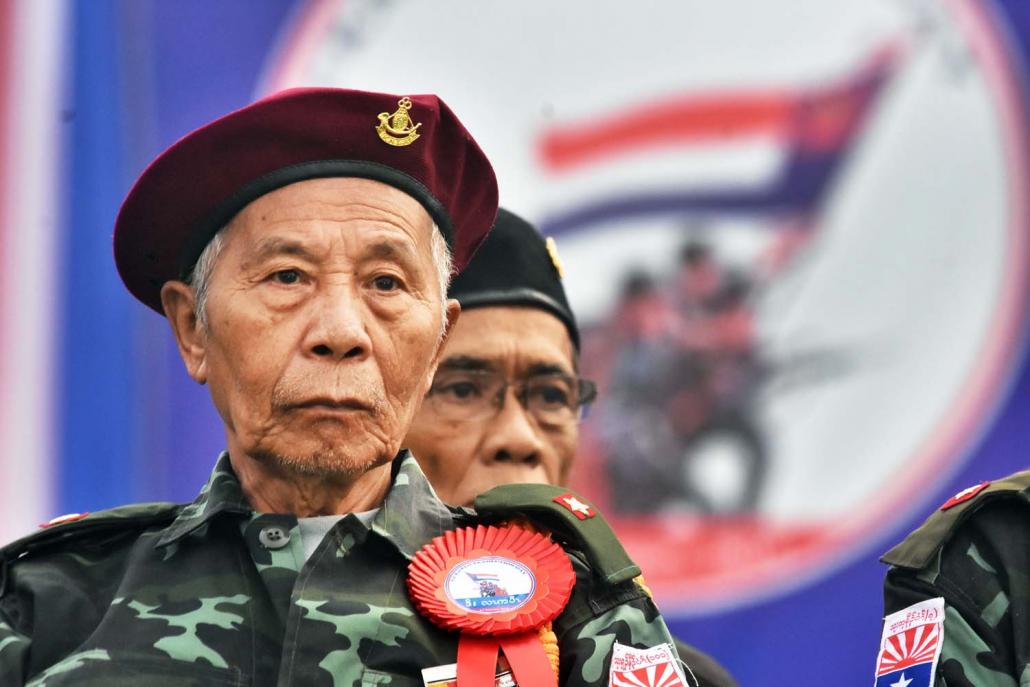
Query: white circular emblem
x=490 y=584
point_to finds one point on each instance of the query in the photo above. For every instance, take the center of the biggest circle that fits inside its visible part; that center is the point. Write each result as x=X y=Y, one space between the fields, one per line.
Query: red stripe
x=676 y=120
x=829 y=117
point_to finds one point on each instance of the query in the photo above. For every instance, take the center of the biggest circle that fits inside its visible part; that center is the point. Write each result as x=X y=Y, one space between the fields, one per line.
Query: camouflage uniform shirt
x=977 y=556
x=212 y=593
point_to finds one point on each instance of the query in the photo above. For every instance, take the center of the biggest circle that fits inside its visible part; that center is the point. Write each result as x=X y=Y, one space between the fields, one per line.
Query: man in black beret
x=301 y=249
x=515 y=340
x=505 y=404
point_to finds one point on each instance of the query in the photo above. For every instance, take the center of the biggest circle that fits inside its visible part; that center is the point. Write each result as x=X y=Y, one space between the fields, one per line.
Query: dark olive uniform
x=976 y=555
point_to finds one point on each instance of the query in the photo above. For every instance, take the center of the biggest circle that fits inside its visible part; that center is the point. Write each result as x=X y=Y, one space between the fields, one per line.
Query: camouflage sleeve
x=983 y=574
x=626 y=614
x=14 y=651
x=45 y=611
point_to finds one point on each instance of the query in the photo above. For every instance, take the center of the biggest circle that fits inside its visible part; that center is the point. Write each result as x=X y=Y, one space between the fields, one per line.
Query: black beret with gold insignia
x=515 y=265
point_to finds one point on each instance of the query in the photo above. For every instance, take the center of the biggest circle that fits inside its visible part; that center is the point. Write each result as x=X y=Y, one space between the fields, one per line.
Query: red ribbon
x=477 y=660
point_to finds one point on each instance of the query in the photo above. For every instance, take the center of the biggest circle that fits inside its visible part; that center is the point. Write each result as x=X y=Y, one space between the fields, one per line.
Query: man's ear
x=179 y=302
x=451 y=312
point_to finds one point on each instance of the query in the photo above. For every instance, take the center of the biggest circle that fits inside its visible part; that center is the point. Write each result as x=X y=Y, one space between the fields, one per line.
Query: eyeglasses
x=551 y=399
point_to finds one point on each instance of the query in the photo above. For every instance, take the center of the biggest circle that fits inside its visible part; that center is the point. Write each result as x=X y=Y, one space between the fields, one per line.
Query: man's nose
x=512 y=436
x=339 y=328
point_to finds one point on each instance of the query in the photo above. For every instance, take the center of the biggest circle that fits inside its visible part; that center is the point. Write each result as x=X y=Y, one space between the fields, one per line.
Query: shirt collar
x=221 y=494
x=412 y=514
x=410 y=517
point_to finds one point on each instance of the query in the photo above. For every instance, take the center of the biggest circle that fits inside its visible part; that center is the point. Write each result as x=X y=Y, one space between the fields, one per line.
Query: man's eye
x=287 y=276
x=460 y=391
x=550 y=395
x=385 y=283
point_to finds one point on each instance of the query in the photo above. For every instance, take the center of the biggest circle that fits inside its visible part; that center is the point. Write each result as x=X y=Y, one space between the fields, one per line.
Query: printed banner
x=796 y=241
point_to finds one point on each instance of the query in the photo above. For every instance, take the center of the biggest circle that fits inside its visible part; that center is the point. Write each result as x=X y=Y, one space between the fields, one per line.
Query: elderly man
x=505 y=404
x=300 y=249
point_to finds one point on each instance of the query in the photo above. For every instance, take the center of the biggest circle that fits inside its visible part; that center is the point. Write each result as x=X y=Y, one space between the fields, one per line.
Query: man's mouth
x=333 y=405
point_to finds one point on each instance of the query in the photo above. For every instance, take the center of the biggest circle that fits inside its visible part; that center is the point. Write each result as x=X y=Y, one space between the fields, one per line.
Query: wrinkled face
x=324 y=321
x=465 y=457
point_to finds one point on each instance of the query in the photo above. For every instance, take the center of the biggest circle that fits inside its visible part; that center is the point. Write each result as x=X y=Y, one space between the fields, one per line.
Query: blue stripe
x=797 y=191
x=919 y=675
x=95 y=351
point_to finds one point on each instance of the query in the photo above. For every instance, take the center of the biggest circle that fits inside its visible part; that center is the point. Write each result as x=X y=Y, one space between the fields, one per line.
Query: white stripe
x=747 y=162
x=28 y=275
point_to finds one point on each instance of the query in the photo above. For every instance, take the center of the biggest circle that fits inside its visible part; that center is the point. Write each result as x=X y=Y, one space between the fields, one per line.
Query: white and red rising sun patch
x=911 y=645
x=653 y=667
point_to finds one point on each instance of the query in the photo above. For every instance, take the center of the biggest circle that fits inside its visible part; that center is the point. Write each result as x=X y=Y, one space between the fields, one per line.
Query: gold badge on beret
x=552 y=250
x=397 y=129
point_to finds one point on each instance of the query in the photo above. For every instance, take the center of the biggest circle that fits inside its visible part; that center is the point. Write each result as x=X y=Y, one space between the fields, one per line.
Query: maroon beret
x=197 y=185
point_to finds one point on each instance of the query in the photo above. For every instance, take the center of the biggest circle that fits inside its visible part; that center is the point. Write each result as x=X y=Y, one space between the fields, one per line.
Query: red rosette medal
x=496 y=586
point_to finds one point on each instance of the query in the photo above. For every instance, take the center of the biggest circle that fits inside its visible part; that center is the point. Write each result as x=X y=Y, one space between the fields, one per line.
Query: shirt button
x=273 y=537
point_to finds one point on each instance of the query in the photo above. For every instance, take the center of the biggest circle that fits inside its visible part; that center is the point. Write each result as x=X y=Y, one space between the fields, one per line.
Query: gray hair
x=200 y=277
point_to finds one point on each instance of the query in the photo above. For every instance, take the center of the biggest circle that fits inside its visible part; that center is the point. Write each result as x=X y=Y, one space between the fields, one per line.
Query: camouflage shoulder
x=84 y=525
x=570 y=517
x=920 y=547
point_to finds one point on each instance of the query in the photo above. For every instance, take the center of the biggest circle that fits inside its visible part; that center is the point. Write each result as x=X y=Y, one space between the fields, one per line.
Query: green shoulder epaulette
x=64 y=528
x=567 y=515
x=919 y=548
